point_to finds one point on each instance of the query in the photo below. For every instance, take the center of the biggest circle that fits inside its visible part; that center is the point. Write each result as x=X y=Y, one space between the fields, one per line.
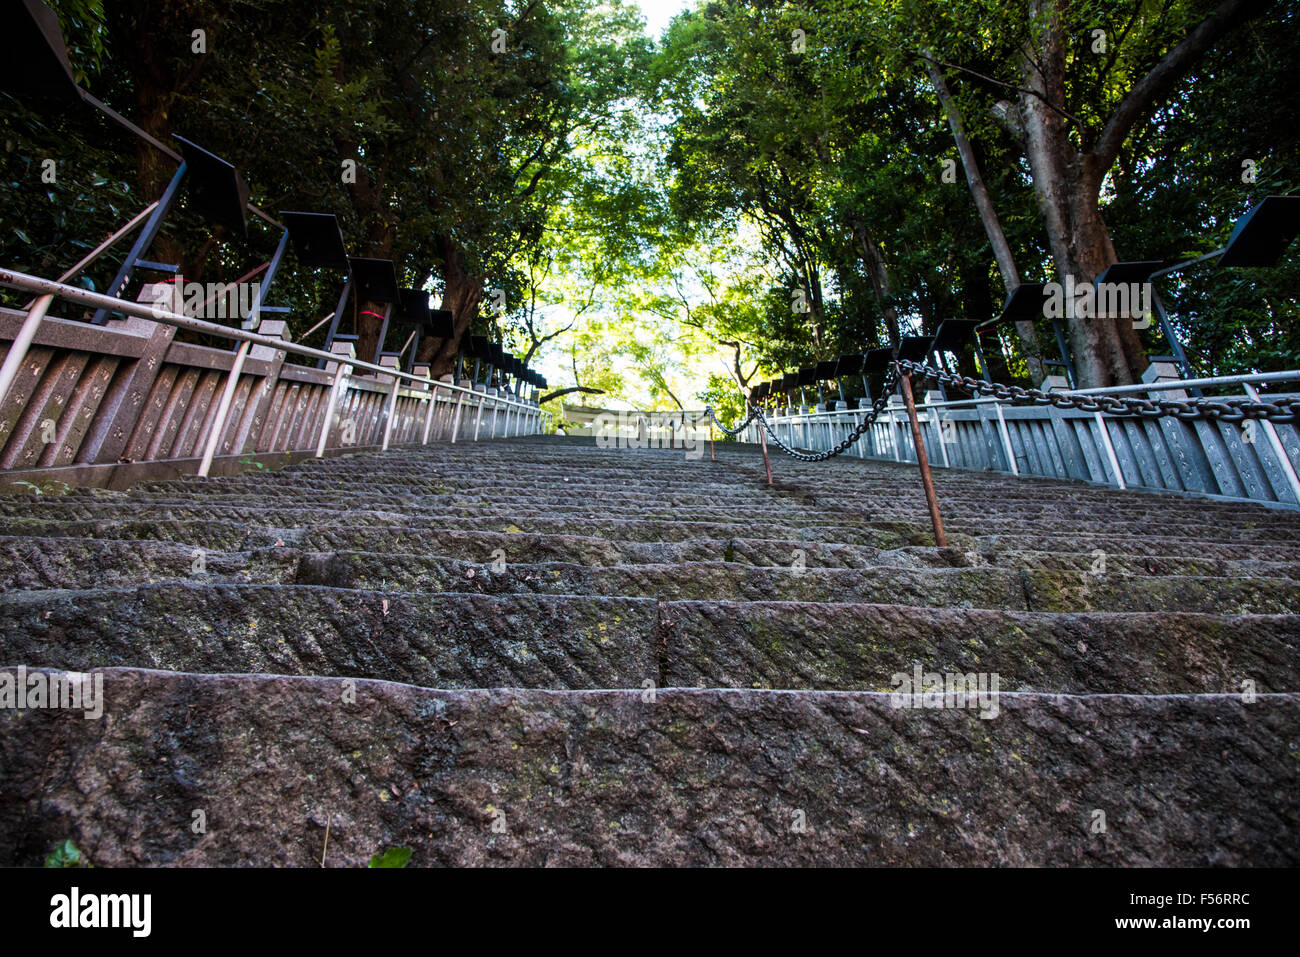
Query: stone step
x=380 y=527
x=230 y=536
x=683 y=778
x=346 y=508
x=519 y=482
x=542 y=641
x=93 y=563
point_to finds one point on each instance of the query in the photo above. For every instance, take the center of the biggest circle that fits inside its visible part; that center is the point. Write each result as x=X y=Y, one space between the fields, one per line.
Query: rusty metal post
x=926 y=479
x=762 y=439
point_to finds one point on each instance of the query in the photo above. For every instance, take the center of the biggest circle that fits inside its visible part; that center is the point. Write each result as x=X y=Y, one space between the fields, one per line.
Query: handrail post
x=1110 y=450
x=428 y=413
x=478 y=419
x=455 y=423
x=22 y=342
x=1275 y=442
x=223 y=408
x=1006 y=439
x=767 y=463
x=927 y=481
x=335 y=389
x=390 y=413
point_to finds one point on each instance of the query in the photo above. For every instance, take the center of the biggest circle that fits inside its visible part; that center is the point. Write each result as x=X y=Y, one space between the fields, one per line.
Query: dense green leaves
x=770 y=184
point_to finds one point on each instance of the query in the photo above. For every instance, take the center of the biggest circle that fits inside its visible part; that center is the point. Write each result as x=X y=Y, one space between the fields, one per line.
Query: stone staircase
x=541 y=652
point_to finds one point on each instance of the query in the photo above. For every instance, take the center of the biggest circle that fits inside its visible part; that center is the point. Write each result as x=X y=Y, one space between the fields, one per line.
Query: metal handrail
x=947 y=403
x=48 y=287
x=47 y=290
x=1290 y=375
x=1247 y=381
x=1250 y=378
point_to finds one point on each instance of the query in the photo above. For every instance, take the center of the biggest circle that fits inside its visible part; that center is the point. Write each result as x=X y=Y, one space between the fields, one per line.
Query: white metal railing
x=1255 y=459
x=527 y=415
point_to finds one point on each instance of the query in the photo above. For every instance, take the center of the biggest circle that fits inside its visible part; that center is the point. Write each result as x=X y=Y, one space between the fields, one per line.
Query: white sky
x=659 y=12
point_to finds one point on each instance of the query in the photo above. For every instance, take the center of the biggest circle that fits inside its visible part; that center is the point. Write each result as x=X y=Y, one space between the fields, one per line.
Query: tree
x=1084 y=75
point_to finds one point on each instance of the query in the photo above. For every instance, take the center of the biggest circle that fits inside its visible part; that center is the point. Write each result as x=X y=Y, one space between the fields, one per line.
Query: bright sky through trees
x=659 y=12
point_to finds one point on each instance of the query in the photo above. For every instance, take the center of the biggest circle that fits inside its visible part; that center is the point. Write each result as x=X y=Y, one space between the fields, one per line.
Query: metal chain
x=738 y=429
x=876 y=408
x=1283 y=410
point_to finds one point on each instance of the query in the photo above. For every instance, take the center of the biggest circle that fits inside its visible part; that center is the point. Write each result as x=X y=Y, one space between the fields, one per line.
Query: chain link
x=1283 y=410
x=755 y=412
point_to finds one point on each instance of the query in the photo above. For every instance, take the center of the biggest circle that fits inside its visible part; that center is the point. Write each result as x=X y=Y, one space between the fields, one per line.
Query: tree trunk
x=988 y=216
x=1067 y=184
x=462 y=294
x=879 y=273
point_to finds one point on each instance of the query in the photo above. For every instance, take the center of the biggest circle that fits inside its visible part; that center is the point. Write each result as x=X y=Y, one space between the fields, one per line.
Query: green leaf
x=66 y=855
x=393 y=857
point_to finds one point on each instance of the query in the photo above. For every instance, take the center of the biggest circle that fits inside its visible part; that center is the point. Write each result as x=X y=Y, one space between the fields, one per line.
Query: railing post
x=927 y=480
x=335 y=389
x=455 y=424
x=442 y=415
x=936 y=423
x=1275 y=443
x=22 y=342
x=1006 y=439
x=390 y=412
x=429 y=412
x=420 y=368
x=223 y=408
x=1110 y=450
x=478 y=419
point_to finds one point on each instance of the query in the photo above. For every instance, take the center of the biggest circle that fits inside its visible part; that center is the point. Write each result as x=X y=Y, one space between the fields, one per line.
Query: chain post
x=921 y=460
x=767 y=463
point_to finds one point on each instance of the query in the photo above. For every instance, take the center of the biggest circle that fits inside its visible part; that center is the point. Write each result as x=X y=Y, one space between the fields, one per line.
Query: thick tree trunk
x=1067 y=179
x=462 y=294
x=988 y=216
x=1066 y=185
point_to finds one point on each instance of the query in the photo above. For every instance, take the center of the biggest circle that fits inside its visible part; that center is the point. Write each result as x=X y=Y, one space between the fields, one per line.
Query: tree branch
x=563 y=392
x=1010 y=86
x=1153 y=87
